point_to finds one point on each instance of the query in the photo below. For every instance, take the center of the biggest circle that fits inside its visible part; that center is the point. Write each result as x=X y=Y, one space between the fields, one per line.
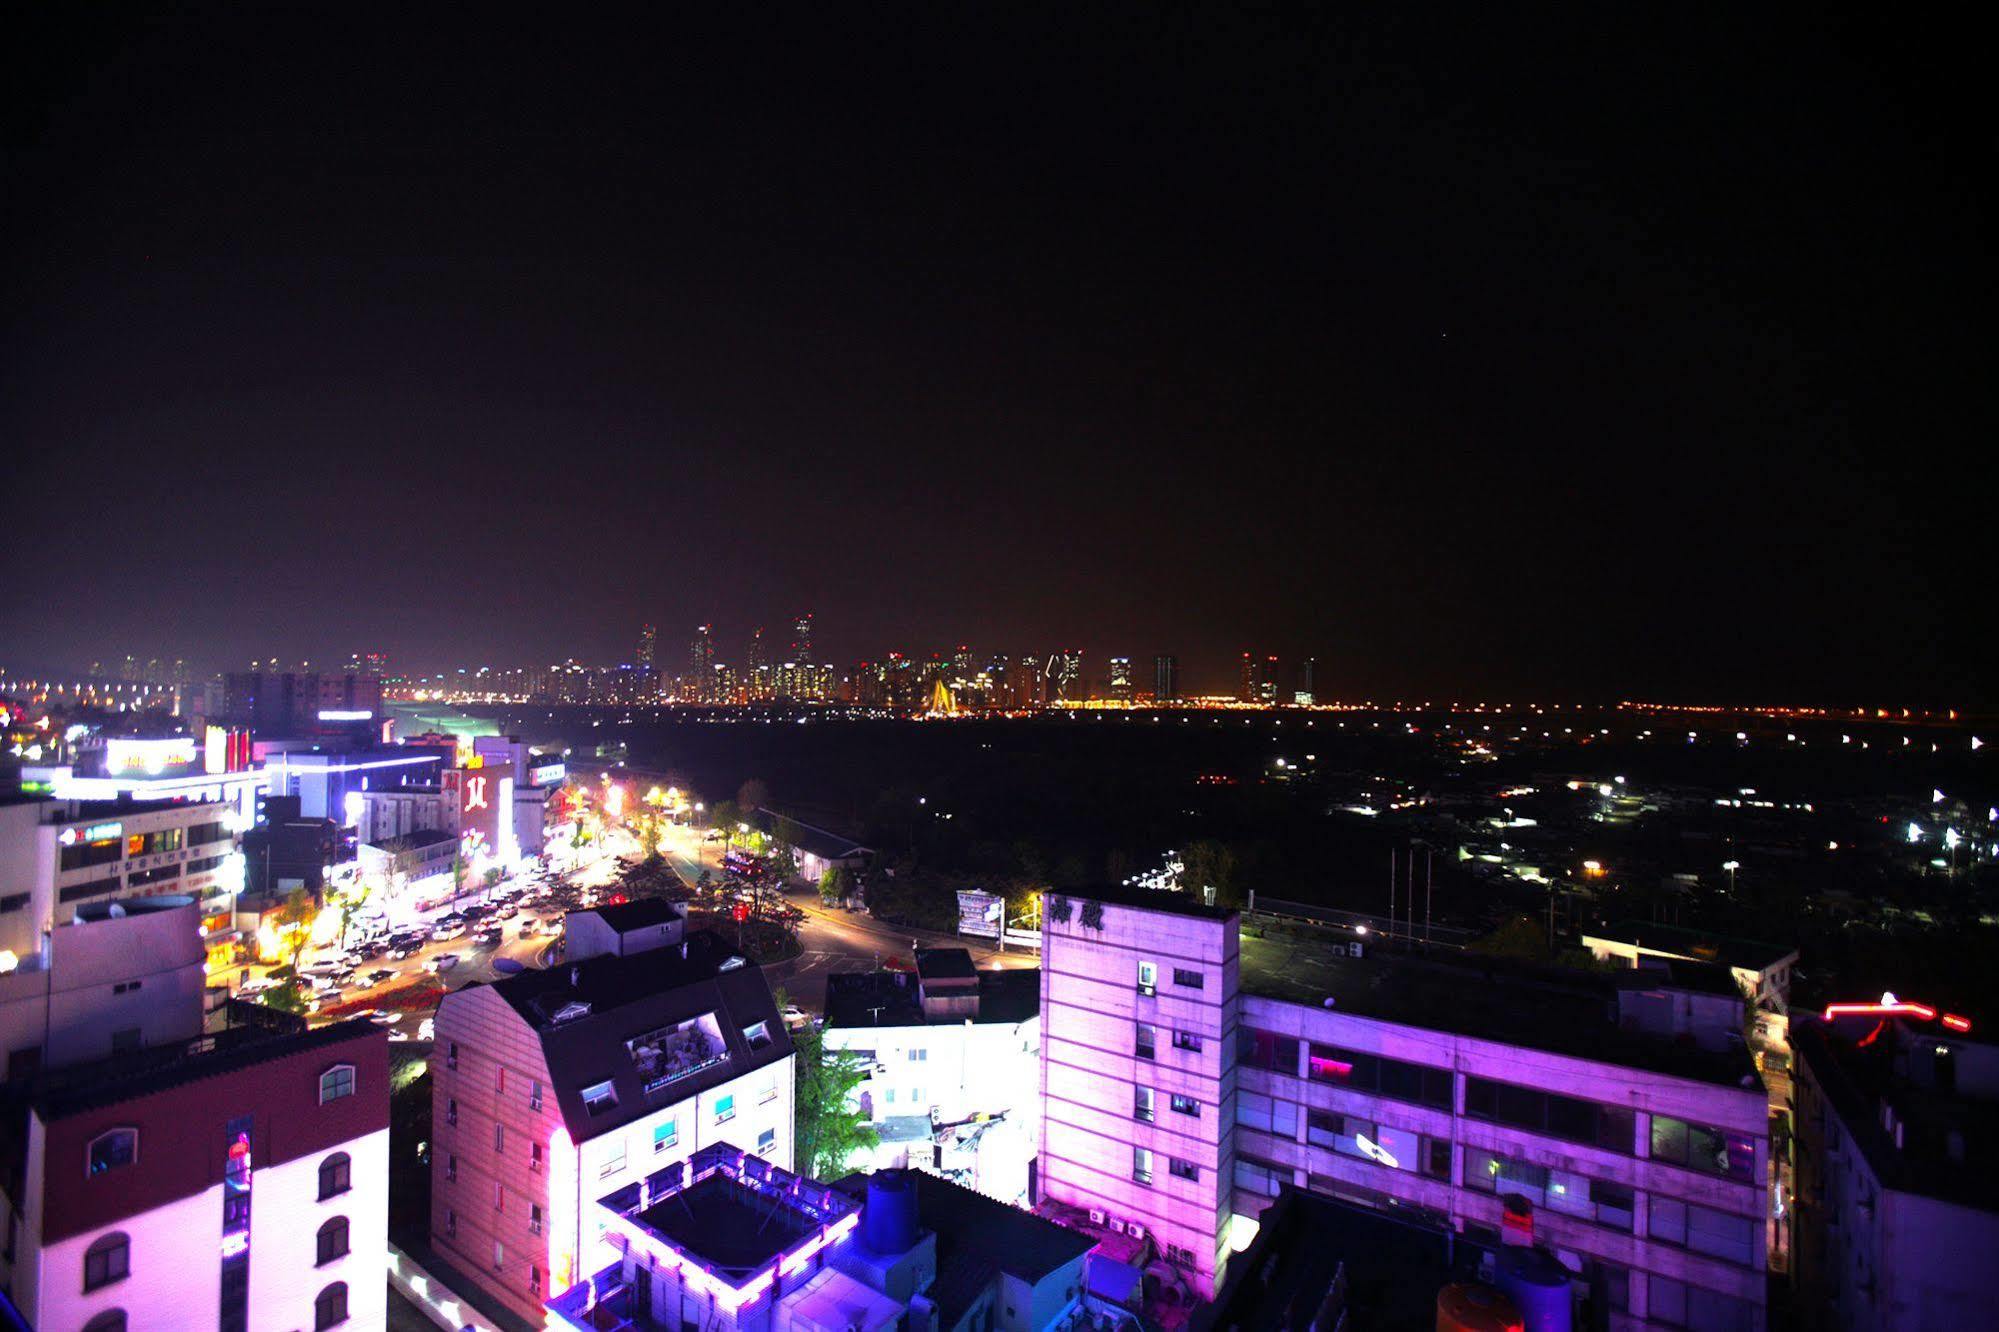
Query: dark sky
x=1479 y=355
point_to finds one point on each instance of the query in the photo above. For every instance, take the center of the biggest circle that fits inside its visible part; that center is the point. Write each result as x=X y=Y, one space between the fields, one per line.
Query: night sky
x=1479 y=356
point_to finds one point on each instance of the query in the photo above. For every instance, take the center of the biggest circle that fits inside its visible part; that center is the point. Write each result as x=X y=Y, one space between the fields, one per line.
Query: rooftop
x=732 y=1213
x=1019 y=1243
x=1393 y=1269
x=59 y=1093
x=945 y=964
x=1749 y=954
x=1559 y=1010
x=625 y=917
x=1144 y=899
x=1859 y=1078
x=628 y=1020
x=890 y=999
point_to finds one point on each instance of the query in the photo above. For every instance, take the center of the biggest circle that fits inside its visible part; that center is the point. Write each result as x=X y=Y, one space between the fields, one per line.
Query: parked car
x=509 y=911
x=426 y=1030
x=407 y=948
x=794 y=1016
x=442 y=931
x=250 y=989
x=383 y=1017
x=327 y=967
x=380 y=974
x=442 y=962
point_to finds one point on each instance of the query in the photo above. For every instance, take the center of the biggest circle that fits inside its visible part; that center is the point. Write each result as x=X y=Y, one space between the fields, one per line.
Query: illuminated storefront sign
x=344 y=715
x=149 y=756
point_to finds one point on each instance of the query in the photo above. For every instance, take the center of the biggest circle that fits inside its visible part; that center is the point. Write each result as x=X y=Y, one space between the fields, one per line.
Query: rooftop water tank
x=888 y=1222
x=1538 y=1285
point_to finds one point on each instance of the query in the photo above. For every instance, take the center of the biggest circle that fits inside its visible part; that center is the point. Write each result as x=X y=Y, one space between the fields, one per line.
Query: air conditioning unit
x=1096 y=1216
x=1135 y=1230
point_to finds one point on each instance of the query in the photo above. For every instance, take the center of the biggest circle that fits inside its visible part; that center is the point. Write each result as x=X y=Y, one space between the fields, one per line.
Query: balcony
x=602 y=1303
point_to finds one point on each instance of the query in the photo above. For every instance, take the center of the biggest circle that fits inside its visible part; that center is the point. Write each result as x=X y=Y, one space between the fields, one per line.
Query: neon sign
x=475 y=794
x=1376 y=1152
x=1891 y=1006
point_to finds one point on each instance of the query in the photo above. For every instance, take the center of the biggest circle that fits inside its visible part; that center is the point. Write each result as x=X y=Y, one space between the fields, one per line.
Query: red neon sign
x=1887 y=1008
x=1956 y=1023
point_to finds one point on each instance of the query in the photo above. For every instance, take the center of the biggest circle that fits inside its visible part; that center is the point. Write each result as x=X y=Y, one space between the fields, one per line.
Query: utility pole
x=1391 y=892
x=1429 y=890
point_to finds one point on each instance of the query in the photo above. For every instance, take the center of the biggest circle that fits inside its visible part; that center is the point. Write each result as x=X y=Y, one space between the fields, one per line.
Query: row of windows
x=108 y=1261
x=1148 y=978
x=1715 y=1151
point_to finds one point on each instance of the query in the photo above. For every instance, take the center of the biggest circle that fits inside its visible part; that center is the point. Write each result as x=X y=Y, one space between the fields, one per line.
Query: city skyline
x=1345 y=339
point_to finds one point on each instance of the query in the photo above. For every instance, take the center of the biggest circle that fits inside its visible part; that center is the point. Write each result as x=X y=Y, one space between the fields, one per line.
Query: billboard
x=979 y=913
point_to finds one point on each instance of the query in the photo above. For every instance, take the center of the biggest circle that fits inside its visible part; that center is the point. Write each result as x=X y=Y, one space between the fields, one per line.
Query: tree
x=286 y=998
x=725 y=815
x=292 y=922
x=349 y=905
x=1210 y=866
x=752 y=796
x=830 y=1127
x=835 y=884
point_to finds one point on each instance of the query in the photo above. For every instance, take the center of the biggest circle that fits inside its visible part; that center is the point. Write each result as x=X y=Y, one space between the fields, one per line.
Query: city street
x=832 y=939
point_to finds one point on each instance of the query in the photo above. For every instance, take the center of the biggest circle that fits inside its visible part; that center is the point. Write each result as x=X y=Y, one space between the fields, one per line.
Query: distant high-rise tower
x=1247 y=690
x=701 y=662
x=801 y=639
x=1064 y=677
x=1307 y=693
x=1165 y=679
x=648 y=637
x=1267 y=683
x=1118 y=684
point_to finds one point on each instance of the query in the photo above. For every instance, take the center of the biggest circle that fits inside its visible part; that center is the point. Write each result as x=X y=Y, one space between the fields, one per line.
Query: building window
x=534 y=1158
x=499 y=1255
x=1702 y=1229
x=1260 y=1176
x=725 y=1108
x=112 y=1149
x=125 y=1040
x=1141 y=1104
x=765 y=1141
x=1561 y=1191
x=451 y=1109
x=1141 y=1164
x=335 y=1175
x=1266 y=1049
x=1186 y=1040
x=614 y=1159
x=451 y=1223
x=768 y=1091
x=1566 y=1117
x=499 y=1197
x=1268 y=1114
x=1148 y=978
x=1183 y=1169
x=1711 y=1150
x=1393 y=1078
x=330 y=1308
x=451 y=1054
x=919 y=1056
x=534 y=1218
x=1186 y=1105
x=111 y=1320
x=757 y=1035
x=451 y=1167
x=499 y=1137
x=1147 y=1041
x=1677 y=1304
x=534 y=1096
x=1187 y=980
x=599 y=1098
x=335 y=1083
x=332 y=1240
x=534 y=1280
x=108 y=1259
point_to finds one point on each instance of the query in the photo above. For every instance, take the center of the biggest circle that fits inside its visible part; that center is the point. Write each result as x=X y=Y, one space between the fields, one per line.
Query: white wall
x=176 y=1278
x=285 y=1216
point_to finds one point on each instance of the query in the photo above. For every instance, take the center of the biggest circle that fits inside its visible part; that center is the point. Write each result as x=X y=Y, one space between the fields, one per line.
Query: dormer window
x=757 y=1035
x=118 y=1147
x=600 y=1098
x=336 y=1082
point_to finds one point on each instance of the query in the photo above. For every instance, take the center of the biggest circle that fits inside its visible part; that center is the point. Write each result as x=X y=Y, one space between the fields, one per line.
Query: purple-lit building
x=1897 y=1209
x=1190 y=1073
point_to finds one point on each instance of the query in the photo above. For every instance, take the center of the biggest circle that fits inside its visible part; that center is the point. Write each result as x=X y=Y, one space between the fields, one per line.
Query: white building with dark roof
x=557 y=1087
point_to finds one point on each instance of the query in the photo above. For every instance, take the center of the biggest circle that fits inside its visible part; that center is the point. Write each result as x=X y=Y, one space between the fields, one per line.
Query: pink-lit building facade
x=1190 y=1073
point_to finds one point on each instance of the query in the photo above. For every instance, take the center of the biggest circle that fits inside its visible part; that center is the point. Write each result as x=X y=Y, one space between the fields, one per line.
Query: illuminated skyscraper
x=647 y=637
x=1118 y=684
x=1165 y=679
x=1064 y=678
x=701 y=662
x=1307 y=686
x=801 y=639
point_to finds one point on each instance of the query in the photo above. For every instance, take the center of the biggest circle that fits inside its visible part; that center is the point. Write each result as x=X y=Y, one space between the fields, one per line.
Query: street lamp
x=1731 y=866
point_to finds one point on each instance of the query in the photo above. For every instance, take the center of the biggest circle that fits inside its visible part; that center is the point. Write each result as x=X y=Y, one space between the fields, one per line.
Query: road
x=832 y=940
